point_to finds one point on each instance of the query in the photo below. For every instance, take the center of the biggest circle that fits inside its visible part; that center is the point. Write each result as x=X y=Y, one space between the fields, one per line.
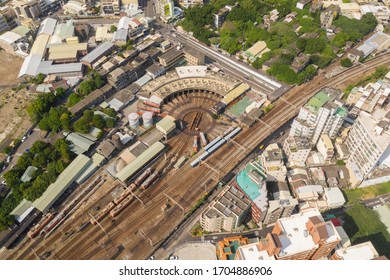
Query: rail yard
x=107 y=219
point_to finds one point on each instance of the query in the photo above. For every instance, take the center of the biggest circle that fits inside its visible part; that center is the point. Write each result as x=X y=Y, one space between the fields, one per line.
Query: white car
x=24 y=138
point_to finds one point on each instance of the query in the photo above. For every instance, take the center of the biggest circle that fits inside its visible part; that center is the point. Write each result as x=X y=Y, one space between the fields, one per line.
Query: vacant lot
x=366 y=193
x=9 y=68
x=363 y=224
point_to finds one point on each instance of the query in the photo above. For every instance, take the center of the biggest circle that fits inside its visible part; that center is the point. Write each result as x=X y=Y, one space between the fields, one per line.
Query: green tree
x=82 y=125
x=73 y=99
x=113 y=28
x=88 y=115
x=62 y=146
x=38 y=146
x=86 y=87
x=110 y=122
x=315 y=45
x=98 y=121
x=39 y=79
x=65 y=121
x=346 y=62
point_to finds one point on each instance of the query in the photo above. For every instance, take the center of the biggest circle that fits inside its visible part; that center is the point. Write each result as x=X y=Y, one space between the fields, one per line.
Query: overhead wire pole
x=212 y=168
x=288 y=102
x=142 y=233
x=132 y=193
x=99 y=225
x=238 y=144
x=174 y=201
x=269 y=126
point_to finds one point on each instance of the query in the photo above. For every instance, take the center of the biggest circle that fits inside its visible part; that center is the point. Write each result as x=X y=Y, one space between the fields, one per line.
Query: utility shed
x=136 y=165
x=22 y=210
x=27 y=175
x=63 y=182
x=79 y=144
x=166 y=125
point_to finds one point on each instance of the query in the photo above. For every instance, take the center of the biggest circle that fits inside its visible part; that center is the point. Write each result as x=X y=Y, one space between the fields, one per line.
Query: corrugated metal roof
x=124 y=23
x=22 y=210
x=80 y=141
x=47 y=26
x=120 y=35
x=66 y=178
x=132 y=168
x=234 y=93
x=21 y=30
x=10 y=37
x=70 y=54
x=68 y=47
x=27 y=175
x=143 y=80
x=166 y=125
x=30 y=65
x=97 y=52
x=40 y=43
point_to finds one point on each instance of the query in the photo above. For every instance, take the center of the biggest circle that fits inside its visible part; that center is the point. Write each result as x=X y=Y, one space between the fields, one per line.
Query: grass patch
x=354 y=195
x=363 y=224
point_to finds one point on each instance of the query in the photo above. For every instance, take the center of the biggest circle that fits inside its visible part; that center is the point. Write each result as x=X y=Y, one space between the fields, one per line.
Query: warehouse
x=67 y=52
x=63 y=182
x=98 y=52
x=40 y=43
x=146 y=157
x=167 y=125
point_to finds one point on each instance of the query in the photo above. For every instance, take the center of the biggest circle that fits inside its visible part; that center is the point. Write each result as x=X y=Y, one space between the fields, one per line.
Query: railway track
x=186 y=181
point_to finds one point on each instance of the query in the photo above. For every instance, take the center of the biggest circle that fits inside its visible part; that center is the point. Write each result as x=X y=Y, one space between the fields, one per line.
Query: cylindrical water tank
x=133 y=120
x=147 y=117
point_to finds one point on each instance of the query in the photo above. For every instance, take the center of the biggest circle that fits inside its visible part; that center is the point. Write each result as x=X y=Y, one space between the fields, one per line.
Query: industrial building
x=171 y=58
x=64 y=181
x=14 y=44
x=101 y=50
x=226 y=212
x=167 y=125
x=256 y=51
x=140 y=162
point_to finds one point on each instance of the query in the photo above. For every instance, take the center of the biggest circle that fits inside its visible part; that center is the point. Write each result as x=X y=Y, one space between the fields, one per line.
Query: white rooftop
x=47 y=26
x=191 y=71
x=369 y=123
x=296 y=238
x=10 y=37
x=334 y=196
x=363 y=251
x=252 y=252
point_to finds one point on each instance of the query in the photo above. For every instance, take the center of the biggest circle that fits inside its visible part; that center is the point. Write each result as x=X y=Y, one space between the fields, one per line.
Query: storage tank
x=133 y=120
x=147 y=117
x=116 y=140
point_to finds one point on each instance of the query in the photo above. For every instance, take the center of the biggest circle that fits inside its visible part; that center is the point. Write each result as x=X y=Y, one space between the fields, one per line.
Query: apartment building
x=272 y=161
x=322 y=114
x=226 y=248
x=368 y=142
x=27 y=9
x=297 y=149
x=189 y=3
x=111 y=6
x=325 y=147
x=252 y=182
x=281 y=203
x=220 y=16
x=171 y=58
x=303 y=236
x=193 y=57
x=226 y=212
x=165 y=9
x=253 y=252
x=362 y=251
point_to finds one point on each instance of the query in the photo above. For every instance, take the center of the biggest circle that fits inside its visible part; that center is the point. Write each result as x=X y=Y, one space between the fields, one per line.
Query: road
x=140 y=230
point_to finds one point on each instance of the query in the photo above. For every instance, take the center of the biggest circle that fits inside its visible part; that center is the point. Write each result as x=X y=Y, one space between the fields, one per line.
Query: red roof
x=336 y=222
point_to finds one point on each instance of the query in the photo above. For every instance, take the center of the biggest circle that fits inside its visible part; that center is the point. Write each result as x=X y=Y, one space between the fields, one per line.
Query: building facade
x=368 y=142
x=303 y=236
x=297 y=149
x=226 y=212
x=322 y=114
